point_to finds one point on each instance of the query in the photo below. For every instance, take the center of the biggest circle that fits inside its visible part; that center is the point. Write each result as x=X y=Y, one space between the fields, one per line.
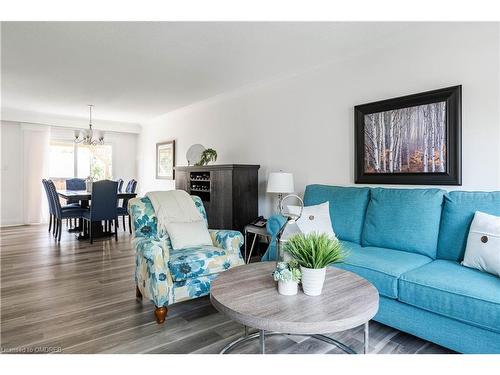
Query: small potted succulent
x=314 y=252
x=288 y=275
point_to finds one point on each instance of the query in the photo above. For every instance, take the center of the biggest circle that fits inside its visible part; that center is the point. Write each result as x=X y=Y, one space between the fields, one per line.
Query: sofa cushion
x=380 y=266
x=458 y=212
x=199 y=261
x=404 y=219
x=447 y=288
x=347 y=208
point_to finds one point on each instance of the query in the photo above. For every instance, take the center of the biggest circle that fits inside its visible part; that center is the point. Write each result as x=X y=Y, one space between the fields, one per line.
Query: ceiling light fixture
x=87 y=138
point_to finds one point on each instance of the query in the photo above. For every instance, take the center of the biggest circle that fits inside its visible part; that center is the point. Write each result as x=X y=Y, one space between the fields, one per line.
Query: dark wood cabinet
x=229 y=192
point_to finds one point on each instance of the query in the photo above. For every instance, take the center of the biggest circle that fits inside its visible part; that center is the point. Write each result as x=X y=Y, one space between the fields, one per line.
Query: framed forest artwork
x=165 y=160
x=414 y=139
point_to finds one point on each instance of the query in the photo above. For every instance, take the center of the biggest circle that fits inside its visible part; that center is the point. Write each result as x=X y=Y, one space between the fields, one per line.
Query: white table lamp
x=280 y=183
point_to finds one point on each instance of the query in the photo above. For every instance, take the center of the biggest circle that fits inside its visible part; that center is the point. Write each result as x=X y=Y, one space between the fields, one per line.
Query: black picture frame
x=169 y=147
x=452 y=175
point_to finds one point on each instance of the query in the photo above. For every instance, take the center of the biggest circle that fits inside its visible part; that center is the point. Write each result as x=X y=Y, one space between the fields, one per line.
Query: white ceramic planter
x=313 y=280
x=287 y=288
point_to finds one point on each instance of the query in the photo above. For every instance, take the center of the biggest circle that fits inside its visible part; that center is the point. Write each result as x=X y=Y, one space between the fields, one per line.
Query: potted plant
x=314 y=252
x=288 y=275
x=207 y=156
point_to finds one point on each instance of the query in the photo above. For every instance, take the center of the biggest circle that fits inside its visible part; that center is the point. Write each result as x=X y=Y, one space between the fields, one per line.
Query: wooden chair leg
x=129 y=224
x=161 y=314
x=138 y=293
x=116 y=230
x=60 y=230
x=124 y=227
x=50 y=222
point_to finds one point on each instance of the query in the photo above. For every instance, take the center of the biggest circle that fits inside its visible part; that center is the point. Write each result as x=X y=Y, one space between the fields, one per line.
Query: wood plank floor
x=74 y=297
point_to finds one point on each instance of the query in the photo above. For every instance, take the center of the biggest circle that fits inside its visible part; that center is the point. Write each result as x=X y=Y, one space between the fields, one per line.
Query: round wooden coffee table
x=248 y=295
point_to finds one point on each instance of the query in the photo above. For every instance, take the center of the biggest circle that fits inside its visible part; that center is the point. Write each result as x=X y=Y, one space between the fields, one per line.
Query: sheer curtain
x=36 y=145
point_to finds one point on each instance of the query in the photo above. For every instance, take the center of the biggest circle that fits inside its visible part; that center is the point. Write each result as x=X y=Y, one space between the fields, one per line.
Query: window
x=62 y=159
x=68 y=160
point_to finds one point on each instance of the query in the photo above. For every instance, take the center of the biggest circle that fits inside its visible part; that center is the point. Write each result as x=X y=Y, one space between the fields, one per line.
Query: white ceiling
x=133 y=71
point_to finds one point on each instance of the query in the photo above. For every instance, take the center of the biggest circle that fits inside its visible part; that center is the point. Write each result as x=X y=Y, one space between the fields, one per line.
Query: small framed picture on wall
x=414 y=139
x=165 y=160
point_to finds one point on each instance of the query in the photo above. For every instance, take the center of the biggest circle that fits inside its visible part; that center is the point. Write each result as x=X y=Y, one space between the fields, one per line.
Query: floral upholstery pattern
x=200 y=261
x=165 y=276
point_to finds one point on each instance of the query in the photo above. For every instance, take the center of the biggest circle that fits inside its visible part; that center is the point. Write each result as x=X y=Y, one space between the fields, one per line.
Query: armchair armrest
x=230 y=240
x=152 y=273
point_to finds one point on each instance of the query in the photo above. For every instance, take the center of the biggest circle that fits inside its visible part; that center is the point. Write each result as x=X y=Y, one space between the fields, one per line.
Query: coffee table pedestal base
x=262 y=340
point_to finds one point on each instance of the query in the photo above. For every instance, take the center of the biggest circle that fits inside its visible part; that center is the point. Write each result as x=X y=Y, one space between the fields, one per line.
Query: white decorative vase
x=313 y=280
x=287 y=288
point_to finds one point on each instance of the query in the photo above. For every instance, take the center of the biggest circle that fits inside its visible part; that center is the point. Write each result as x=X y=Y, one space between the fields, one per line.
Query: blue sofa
x=409 y=243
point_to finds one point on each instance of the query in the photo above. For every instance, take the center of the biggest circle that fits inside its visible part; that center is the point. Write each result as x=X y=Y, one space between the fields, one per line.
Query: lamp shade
x=280 y=182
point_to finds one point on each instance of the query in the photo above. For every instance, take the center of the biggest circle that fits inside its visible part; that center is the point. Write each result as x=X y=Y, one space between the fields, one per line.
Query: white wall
x=304 y=124
x=124 y=164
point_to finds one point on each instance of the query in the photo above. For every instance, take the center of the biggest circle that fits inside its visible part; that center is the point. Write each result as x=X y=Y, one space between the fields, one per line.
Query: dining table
x=85 y=197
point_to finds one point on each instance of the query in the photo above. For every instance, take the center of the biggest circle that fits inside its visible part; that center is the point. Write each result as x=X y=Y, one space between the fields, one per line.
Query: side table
x=257 y=232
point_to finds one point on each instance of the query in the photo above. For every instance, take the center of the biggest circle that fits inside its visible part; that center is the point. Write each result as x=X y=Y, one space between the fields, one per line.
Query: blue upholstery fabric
x=50 y=202
x=404 y=219
x=62 y=212
x=273 y=226
x=200 y=261
x=347 y=208
x=104 y=199
x=120 y=184
x=458 y=212
x=192 y=288
x=75 y=184
x=444 y=331
x=382 y=267
x=447 y=288
x=158 y=265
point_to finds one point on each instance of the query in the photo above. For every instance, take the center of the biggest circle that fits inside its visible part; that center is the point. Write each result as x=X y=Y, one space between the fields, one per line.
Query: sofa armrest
x=273 y=226
x=230 y=240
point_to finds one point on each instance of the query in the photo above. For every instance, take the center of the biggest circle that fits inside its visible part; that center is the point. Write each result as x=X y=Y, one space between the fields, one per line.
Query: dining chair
x=62 y=212
x=123 y=209
x=120 y=185
x=51 y=206
x=75 y=184
x=103 y=206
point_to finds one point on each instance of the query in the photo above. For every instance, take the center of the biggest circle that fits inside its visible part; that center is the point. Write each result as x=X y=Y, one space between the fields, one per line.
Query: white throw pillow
x=314 y=219
x=483 y=244
x=188 y=234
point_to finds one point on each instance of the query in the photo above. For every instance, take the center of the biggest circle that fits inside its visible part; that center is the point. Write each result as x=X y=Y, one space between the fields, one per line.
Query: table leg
x=366 y=336
x=262 y=341
x=251 y=248
x=246 y=241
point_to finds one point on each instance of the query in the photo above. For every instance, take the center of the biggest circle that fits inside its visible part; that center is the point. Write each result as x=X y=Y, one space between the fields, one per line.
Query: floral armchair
x=166 y=276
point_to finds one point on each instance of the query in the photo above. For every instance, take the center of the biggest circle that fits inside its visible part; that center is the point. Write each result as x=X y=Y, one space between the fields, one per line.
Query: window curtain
x=36 y=145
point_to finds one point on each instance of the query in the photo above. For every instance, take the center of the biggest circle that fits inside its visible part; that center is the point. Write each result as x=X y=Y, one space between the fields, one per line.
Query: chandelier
x=87 y=135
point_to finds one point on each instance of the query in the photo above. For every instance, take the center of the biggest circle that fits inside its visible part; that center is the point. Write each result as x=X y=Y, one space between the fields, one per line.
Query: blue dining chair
x=62 y=212
x=75 y=184
x=120 y=185
x=123 y=209
x=103 y=207
x=51 y=206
